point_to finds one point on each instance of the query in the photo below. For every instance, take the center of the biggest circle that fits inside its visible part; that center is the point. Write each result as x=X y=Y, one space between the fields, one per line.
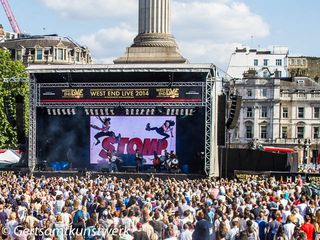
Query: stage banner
x=123 y=135
x=130 y=94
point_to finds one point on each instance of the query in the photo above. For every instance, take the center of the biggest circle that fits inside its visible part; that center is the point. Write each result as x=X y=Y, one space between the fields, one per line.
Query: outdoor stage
x=79 y=114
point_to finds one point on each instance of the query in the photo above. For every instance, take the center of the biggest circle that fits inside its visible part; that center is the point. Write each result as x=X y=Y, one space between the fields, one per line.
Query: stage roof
x=121 y=68
x=122 y=73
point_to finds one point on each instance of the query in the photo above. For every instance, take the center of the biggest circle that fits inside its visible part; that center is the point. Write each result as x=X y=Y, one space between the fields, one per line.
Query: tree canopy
x=10 y=69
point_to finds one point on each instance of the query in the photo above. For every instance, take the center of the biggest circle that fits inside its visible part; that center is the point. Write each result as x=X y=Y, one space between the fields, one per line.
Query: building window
x=277 y=74
x=249 y=131
x=235 y=133
x=303 y=62
x=285 y=112
x=249 y=112
x=284 y=132
x=264 y=92
x=19 y=54
x=255 y=62
x=301 y=94
x=291 y=61
x=265 y=62
x=316 y=132
x=60 y=54
x=263 y=132
x=39 y=54
x=298 y=61
x=278 y=62
x=249 y=92
x=300 y=132
x=77 y=56
x=300 y=112
x=316 y=112
x=264 y=112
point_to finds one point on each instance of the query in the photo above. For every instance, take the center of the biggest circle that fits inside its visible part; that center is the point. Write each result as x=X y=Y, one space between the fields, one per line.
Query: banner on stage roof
x=185 y=93
x=124 y=135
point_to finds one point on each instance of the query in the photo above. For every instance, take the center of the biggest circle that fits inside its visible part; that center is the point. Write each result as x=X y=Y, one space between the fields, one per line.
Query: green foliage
x=11 y=69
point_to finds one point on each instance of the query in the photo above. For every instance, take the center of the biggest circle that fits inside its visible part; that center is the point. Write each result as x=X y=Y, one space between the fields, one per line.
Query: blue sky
x=206 y=30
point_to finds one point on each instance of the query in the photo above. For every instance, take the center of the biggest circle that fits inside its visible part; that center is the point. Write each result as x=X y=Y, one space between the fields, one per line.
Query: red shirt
x=308 y=228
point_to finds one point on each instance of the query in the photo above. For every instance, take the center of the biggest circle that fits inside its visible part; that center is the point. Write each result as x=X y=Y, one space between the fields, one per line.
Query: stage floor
x=124 y=175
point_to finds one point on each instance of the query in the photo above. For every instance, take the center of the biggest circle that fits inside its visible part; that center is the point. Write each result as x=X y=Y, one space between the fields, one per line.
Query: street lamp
x=305 y=147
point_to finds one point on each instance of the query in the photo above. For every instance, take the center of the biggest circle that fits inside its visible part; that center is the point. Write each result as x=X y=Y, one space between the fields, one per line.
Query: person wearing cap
x=140 y=234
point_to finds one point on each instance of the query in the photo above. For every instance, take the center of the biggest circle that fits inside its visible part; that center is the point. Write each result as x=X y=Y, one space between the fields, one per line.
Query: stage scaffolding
x=210 y=90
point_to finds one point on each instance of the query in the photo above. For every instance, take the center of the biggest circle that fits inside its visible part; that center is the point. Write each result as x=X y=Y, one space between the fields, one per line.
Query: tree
x=8 y=70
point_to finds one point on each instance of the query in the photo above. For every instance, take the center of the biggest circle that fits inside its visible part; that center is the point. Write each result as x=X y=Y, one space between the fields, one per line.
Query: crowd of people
x=165 y=209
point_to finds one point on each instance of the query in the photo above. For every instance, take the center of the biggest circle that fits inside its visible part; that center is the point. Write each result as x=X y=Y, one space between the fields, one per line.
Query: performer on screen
x=104 y=130
x=164 y=130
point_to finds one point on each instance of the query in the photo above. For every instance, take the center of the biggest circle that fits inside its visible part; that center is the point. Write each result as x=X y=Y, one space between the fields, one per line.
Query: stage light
x=54 y=112
x=112 y=112
x=68 y=111
x=181 y=111
x=87 y=111
x=172 y=112
x=137 y=111
x=132 y=111
x=186 y=112
x=168 y=111
x=148 y=111
x=49 y=111
x=177 y=111
x=73 y=111
x=106 y=111
x=127 y=111
x=58 y=111
x=63 y=111
x=152 y=111
x=91 y=112
x=96 y=111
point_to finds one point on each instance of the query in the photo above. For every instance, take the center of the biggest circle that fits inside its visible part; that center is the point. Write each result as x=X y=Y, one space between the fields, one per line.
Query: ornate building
x=279 y=112
x=47 y=49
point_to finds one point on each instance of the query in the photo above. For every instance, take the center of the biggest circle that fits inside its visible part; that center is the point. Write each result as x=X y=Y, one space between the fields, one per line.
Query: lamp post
x=305 y=147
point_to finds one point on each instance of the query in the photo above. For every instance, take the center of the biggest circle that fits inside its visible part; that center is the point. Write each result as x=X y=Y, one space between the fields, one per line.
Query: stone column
x=154 y=16
x=154 y=24
x=154 y=42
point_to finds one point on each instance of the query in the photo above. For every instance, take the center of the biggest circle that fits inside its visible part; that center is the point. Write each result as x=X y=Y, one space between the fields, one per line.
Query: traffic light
x=234 y=111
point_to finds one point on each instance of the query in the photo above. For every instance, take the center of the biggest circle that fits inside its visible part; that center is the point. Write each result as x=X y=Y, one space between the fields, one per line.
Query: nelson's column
x=154 y=43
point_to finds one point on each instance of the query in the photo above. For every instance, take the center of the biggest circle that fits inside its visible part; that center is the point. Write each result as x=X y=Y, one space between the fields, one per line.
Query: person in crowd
x=308 y=228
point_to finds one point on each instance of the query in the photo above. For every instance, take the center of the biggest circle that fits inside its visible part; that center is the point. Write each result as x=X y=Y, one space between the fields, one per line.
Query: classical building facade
x=279 y=112
x=47 y=49
x=259 y=62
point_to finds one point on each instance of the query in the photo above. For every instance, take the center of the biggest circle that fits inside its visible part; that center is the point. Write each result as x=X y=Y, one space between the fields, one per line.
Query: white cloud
x=109 y=43
x=221 y=20
x=206 y=30
x=208 y=52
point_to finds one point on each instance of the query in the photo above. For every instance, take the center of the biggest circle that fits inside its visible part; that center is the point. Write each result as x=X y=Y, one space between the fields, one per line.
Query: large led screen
x=125 y=134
